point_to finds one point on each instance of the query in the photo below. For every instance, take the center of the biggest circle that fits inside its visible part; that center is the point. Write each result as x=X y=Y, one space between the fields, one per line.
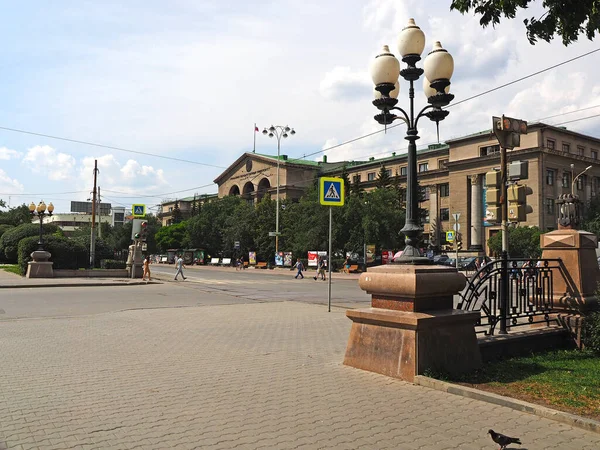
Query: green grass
x=12 y=268
x=564 y=379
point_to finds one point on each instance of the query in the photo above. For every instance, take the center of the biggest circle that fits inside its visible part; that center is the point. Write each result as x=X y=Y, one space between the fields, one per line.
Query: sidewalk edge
x=519 y=405
x=86 y=284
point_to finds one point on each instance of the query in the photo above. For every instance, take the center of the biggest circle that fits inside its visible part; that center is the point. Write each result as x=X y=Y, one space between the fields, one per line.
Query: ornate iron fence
x=511 y=293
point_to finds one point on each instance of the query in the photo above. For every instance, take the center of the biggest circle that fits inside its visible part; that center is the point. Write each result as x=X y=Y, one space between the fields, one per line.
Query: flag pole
x=254 y=148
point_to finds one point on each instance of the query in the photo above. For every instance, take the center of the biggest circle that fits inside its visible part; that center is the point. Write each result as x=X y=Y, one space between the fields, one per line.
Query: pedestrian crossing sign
x=331 y=192
x=138 y=210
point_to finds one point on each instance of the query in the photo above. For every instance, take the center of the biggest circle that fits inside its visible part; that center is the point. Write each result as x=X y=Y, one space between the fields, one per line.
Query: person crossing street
x=300 y=268
x=179 y=264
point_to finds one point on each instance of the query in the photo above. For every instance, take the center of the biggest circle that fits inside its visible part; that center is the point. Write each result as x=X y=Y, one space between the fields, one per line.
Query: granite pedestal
x=411 y=326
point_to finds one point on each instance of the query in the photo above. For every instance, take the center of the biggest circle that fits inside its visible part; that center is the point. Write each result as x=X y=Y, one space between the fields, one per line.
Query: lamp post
x=575 y=178
x=385 y=70
x=40 y=211
x=279 y=132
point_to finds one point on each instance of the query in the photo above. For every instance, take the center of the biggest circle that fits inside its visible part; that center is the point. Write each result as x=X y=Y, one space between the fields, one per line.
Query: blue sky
x=190 y=80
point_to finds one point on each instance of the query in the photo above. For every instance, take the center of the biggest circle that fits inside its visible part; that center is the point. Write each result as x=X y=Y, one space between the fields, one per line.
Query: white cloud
x=130 y=178
x=7 y=154
x=343 y=84
x=9 y=184
x=47 y=161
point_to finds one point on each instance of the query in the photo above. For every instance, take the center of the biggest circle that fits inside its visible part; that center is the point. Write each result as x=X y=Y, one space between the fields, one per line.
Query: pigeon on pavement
x=502 y=440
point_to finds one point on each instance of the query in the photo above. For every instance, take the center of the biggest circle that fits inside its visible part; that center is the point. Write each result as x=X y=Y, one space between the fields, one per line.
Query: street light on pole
x=40 y=212
x=279 y=132
x=575 y=178
x=385 y=70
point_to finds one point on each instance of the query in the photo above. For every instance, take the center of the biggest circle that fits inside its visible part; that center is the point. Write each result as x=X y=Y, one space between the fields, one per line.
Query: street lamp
x=438 y=69
x=575 y=179
x=40 y=211
x=279 y=132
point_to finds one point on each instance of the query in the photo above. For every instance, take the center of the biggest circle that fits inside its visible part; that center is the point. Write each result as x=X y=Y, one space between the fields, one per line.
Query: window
x=443 y=164
x=580 y=150
x=550 y=177
x=489 y=150
x=566 y=147
x=594 y=154
x=423 y=167
x=388 y=172
x=424 y=193
x=371 y=176
x=403 y=171
x=444 y=190
x=356 y=179
x=551 y=144
x=426 y=218
x=566 y=180
x=550 y=206
x=444 y=214
x=170 y=208
x=580 y=183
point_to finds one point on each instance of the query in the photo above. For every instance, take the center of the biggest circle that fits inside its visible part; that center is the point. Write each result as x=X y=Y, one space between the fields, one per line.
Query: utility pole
x=99 y=215
x=93 y=236
x=504 y=198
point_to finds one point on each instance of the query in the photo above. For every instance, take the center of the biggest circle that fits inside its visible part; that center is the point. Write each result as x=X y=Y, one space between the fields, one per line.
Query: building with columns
x=451 y=176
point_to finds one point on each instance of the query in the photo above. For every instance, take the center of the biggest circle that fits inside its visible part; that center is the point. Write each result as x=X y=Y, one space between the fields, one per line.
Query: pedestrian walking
x=321 y=269
x=179 y=265
x=147 y=269
x=300 y=268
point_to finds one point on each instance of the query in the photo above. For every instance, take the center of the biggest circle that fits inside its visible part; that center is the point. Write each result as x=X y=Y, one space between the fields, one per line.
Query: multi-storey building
x=450 y=174
x=185 y=206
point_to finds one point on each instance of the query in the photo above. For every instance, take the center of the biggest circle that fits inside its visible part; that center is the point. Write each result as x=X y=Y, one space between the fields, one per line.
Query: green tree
x=384 y=179
x=194 y=210
x=567 y=19
x=176 y=216
x=15 y=216
x=523 y=242
x=173 y=236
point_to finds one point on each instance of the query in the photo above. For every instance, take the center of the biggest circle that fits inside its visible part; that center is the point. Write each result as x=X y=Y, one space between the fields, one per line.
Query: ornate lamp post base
x=40 y=267
x=411 y=326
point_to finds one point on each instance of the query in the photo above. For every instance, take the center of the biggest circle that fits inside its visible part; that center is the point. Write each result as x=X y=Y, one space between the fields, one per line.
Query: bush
x=9 y=242
x=66 y=253
x=4 y=228
x=591 y=332
x=112 y=264
x=103 y=251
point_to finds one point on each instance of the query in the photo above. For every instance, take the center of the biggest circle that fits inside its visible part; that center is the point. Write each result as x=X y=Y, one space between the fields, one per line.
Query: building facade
x=185 y=206
x=451 y=176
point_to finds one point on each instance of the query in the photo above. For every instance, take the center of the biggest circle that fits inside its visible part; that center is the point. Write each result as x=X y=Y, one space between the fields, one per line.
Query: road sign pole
x=329 y=261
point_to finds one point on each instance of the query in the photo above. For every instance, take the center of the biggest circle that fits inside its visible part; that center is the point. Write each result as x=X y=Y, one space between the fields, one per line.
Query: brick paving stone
x=262 y=375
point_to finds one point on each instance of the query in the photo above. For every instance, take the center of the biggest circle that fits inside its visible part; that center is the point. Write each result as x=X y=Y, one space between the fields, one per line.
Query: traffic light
x=144 y=231
x=516 y=203
x=509 y=131
x=458 y=241
x=493 y=192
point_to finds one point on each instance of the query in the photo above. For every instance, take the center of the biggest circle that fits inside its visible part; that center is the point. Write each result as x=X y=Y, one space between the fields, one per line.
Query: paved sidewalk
x=11 y=280
x=264 y=375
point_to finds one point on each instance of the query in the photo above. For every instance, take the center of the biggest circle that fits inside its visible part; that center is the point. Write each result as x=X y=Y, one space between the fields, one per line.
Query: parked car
x=439 y=259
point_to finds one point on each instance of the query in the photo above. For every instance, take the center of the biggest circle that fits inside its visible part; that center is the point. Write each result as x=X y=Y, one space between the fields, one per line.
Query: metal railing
x=510 y=293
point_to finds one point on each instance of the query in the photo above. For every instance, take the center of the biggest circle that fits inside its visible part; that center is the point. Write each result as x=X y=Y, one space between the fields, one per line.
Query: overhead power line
x=568 y=112
x=110 y=147
x=522 y=78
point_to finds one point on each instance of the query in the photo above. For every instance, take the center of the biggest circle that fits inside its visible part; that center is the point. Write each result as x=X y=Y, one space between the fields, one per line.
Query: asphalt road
x=203 y=287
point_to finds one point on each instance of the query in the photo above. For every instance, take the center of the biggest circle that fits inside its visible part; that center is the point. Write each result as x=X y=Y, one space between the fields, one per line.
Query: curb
x=86 y=284
x=519 y=405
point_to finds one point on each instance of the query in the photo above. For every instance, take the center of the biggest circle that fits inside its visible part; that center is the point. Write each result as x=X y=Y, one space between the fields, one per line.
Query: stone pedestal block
x=574 y=288
x=411 y=326
x=404 y=344
x=40 y=269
